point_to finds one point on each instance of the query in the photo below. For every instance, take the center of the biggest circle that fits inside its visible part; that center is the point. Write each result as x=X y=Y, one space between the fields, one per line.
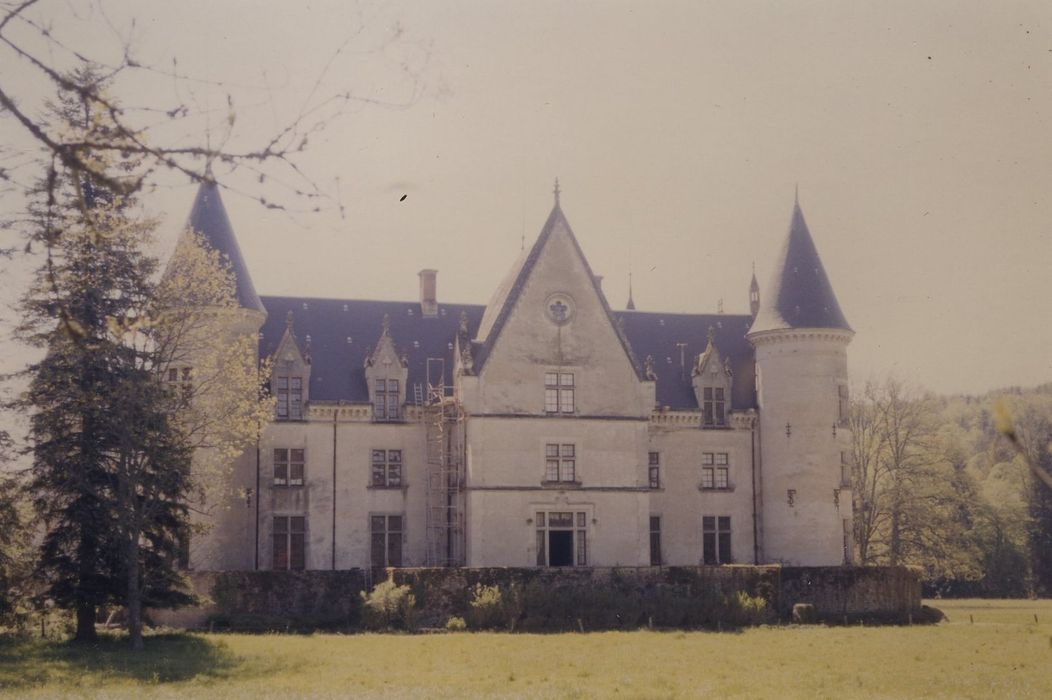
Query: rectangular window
x=386 y=468
x=289 y=543
x=843 y=406
x=716 y=539
x=655 y=540
x=288 y=466
x=715 y=470
x=290 y=397
x=387 y=399
x=386 y=535
x=713 y=406
x=559 y=392
x=845 y=469
x=654 y=470
x=560 y=463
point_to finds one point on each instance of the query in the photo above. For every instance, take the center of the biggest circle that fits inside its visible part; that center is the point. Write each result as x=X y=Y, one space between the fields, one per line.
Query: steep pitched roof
x=503 y=303
x=799 y=294
x=344 y=332
x=208 y=217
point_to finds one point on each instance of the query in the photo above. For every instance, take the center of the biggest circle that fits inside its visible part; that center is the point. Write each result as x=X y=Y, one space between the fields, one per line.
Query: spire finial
x=712 y=334
x=631 y=305
x=288 y=320
x=386 y=324
x=796 y=194
x=556 y=191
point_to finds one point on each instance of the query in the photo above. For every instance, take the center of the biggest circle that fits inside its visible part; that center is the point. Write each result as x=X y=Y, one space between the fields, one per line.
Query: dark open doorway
x=560 y=548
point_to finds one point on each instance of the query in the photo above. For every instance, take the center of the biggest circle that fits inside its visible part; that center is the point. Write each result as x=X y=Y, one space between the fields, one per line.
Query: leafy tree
x=14 y=550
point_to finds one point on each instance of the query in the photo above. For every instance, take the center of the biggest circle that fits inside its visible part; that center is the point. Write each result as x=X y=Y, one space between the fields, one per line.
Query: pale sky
x=918 y=134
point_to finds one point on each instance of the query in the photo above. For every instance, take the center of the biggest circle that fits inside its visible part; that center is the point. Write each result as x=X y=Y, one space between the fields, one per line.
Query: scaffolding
x=444 y=419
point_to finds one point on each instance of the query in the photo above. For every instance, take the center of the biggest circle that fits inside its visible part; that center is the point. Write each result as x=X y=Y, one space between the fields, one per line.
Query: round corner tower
x=800 y=337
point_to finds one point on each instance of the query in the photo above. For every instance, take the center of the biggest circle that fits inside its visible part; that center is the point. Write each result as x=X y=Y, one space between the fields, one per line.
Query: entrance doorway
x=560 y=548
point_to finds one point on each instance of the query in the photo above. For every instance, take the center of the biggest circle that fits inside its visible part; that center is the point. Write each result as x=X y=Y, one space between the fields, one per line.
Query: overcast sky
x=919 y=135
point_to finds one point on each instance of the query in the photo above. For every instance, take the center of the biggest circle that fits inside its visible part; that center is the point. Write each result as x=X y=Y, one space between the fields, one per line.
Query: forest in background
x=937 y=485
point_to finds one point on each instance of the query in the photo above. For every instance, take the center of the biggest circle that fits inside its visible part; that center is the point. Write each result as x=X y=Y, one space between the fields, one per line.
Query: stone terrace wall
x=551 y=599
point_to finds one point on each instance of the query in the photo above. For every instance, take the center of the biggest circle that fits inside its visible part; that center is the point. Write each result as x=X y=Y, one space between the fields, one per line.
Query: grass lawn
x=987 y=649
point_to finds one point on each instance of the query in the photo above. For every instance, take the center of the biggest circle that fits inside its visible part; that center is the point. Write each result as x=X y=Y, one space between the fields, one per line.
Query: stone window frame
x=389 y=533
x=386 y=469
x=387 y=399
x=843 y=406
x=180 y=379
x=560 y=392
x=654 y=470
x=656 y=558
x=715 y=471
x=716 y=540
x=288 y=388
x=290 y=467
x=714 y=407
x=289 y=542
x=578 y=525
x=560 y=463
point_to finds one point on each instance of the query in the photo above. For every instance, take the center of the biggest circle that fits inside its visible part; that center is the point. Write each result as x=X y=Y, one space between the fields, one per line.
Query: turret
x=801 y=338
x=754 y=295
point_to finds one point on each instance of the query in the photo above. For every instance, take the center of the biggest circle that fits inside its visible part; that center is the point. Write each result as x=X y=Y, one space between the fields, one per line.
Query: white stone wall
x=799 y=372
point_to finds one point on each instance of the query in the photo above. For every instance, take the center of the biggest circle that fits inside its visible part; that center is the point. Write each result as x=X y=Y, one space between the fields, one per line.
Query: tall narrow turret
x=801 y=337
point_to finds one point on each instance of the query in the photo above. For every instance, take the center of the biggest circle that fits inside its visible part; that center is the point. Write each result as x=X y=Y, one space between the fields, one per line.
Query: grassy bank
x=985 y=649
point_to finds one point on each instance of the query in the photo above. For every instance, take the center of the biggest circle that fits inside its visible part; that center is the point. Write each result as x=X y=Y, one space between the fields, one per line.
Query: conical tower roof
x=208 y=218
x=800 y=294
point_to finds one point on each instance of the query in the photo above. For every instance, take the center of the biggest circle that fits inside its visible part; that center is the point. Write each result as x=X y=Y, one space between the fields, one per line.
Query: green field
x=986 y=649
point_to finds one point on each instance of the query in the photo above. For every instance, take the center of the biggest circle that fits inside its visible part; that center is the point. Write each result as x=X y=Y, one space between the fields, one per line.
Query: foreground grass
x=985 y=649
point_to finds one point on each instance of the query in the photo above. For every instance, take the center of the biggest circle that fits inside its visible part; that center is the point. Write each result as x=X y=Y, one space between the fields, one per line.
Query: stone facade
x=544 y=429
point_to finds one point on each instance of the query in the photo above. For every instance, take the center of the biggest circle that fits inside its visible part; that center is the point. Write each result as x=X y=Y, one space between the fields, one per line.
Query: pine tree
x=108 y=478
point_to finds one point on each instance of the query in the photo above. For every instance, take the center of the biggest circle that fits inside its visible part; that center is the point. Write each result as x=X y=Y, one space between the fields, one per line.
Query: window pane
x=394 y=549
x=551 y=450
x=297 y=558
x=706 y=478
x=378 y=549
x=392 y=386
x=283 y=406
x=173 y=375
x=706 y=458
x=283 y=383
x=281 y=524
x=568 y=451
x=709 y=548
x=379 y=475
x=582 y=548
x=551 y=379
x=655 y=523
x=540 y=520
x=725 y=548
x=296 y=456
x=566 y=400
x=378 y=523
x=394 y=523
x=655 y=480
x=551 y=471
x=725 y=523
x=560 y=519
x=566 y=379
x=581 y=517
x=379 y=456
x=706 y=393
x=719 y=393
x=381 y=385
x=394 y=474
x=721 y=478
x=281 y=553
x=567 y=472
x=551 y=400
x=297 y=383
x=392 y=406
x=297 y=524
x=542 y=559
x=394 y=456
x=708 y=523
x=721 y=458
x=707 y=414
x=379 y=407
x=654 y=458
x=296 y=474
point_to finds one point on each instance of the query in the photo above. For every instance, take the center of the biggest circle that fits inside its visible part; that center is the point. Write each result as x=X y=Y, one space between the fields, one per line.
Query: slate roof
x=799 y=295
x=342 y=333
x=208 y=217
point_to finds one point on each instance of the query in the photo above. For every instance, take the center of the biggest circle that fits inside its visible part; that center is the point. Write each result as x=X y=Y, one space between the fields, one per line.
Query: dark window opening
x=560 y=548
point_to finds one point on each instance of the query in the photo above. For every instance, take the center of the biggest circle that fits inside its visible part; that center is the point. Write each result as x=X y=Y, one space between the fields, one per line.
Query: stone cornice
x=782 y=335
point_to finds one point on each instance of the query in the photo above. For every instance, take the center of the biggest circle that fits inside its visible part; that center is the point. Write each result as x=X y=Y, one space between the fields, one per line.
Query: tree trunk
x=134 y=593
x=85 y=623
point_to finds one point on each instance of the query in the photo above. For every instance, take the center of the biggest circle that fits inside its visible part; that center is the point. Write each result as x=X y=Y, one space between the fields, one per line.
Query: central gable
x=551 y=315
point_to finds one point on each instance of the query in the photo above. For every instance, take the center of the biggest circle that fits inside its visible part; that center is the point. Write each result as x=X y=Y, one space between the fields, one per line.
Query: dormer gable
x=712 y=380
x=290 y=380
x=386 y=373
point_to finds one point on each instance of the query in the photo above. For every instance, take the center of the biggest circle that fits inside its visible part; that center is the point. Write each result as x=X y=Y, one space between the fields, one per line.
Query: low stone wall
x=544 y=599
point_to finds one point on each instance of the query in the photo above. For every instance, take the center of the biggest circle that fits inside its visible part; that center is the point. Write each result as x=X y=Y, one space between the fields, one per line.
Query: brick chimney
x=428 y=293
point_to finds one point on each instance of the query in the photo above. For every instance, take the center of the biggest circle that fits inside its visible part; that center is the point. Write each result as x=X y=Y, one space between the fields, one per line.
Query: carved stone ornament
x=559 y=308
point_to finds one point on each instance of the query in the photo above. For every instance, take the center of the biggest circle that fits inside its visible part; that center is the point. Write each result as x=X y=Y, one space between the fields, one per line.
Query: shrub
x=456 y=624
x=486 y=607
x=388 y=606
x=745 y=609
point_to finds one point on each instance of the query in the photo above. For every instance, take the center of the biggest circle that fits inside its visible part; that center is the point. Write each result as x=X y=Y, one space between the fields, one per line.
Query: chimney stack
x=429 y=293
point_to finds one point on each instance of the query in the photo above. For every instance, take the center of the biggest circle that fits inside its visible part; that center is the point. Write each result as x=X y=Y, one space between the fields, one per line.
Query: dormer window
x=387 y=399
x=714 y=406
x=712 y=380
x=290 y=397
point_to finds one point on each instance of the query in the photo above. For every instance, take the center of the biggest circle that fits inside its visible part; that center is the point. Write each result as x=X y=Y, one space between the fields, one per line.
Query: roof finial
x=711 y=334
x=796 y=194
x=386 y=324
x=556 y=191
x=631 y=305
x=288 y=320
